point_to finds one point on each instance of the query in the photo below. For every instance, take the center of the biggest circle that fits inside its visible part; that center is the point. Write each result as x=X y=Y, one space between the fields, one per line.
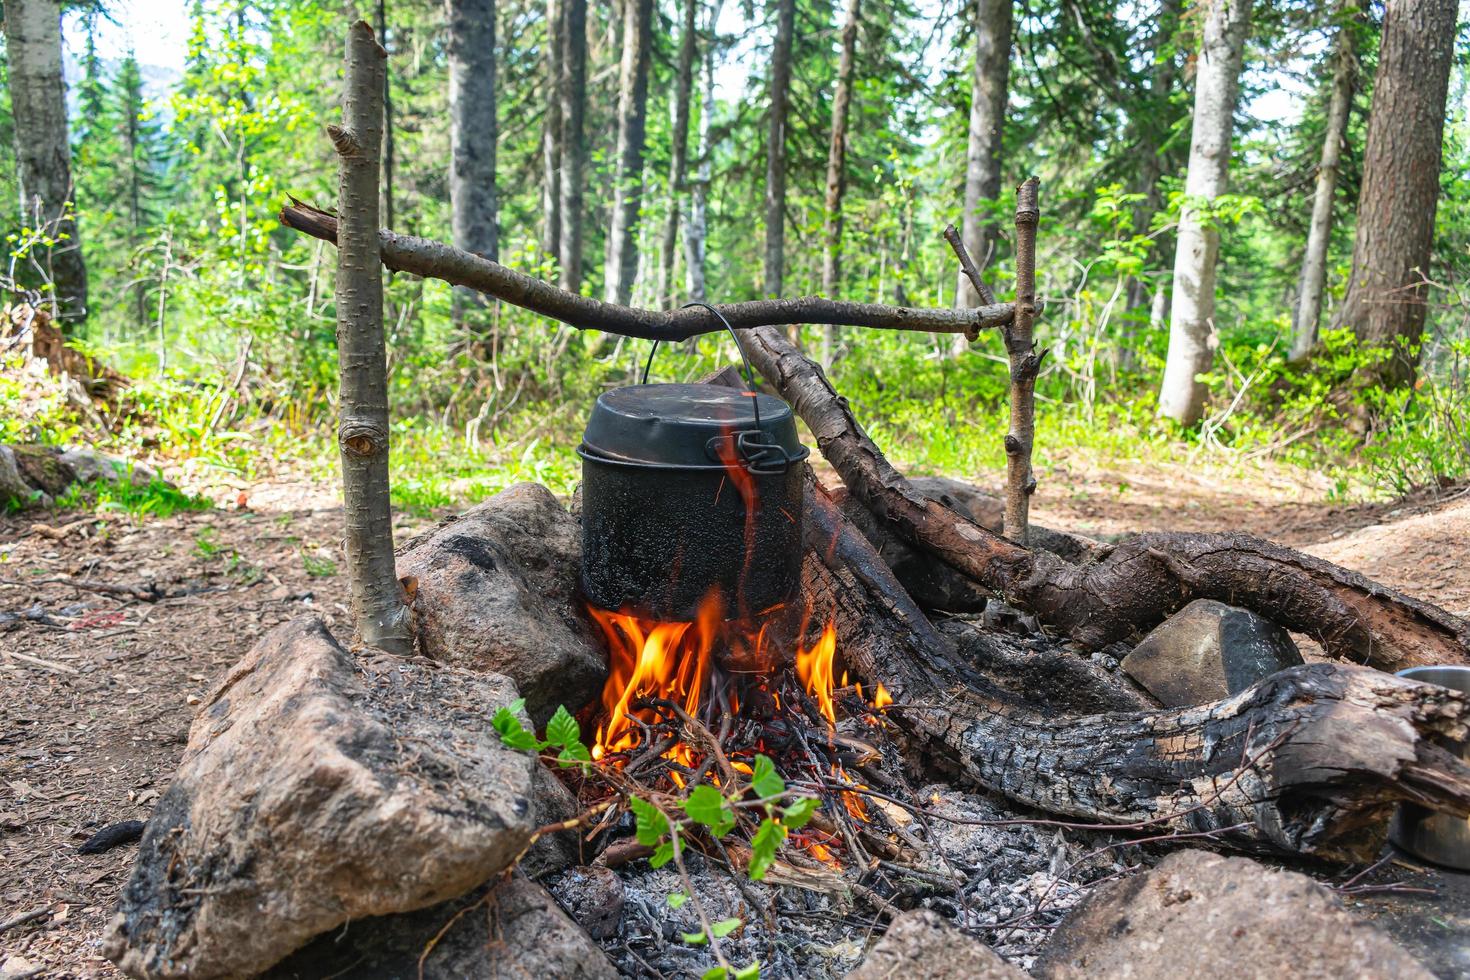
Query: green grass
x=155 y=499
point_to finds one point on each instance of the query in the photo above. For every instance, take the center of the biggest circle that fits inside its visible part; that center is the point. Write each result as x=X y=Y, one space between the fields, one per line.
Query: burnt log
x=1309 y=761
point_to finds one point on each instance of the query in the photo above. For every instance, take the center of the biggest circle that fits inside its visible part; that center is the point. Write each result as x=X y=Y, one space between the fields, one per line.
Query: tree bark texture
x=1309 y=761
x=780 y=95
x=43 y=150
x=1395 y=233
x=573 y=139
x=1136 y=584
x=988 y=94
x=436 y=260
x=551 y=133
x=698 y=232
x=472 y=134
x=679 y=154
x=1319 y=235
x=1191 y=318
x=1025 y=364
x=380 y=19
x=621 y=266
x=837 y=167
x=381 y=616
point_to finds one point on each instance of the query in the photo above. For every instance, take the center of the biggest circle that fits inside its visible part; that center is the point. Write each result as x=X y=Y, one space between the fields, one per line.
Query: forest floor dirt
x=97 y=690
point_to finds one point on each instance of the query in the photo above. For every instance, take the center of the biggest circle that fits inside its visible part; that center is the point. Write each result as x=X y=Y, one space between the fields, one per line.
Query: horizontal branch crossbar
x=436 y=260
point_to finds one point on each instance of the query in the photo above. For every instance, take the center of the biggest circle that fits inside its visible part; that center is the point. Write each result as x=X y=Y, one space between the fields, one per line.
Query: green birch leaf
x=797 y=814
x=563 y=729
x=766 y=781
x=652 y=825
x=662 y=855
x=763 y=845
x=724 y=927
x=705 y=806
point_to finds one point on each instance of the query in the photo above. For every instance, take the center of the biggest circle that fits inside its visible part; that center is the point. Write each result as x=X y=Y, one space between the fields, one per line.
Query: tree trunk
x=1024 y=366
x=698 y=231
x=381 y=18
x=988 y=93
x=1216 y=86
x=42 y=149
x=1314 y=260
x=621 y=266
x=381 y=616
x=573 y=139
x=472 y=135
x=837 y=169
x=1395 y=234
x=551 y=136
x=775 y=257
x=679 y=154
x=1154 y=127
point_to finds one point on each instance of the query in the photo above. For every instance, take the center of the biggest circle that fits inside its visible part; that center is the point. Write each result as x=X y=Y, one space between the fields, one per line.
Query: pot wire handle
x=749 y=374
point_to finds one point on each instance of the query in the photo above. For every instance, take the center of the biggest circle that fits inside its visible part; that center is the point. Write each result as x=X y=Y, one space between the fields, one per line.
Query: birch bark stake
x=380 y=614
x=1025 y=366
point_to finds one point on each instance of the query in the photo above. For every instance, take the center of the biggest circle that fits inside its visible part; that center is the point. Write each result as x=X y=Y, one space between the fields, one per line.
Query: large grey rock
x=508 y=929
x=315 y=790
x=1202 y=915
x=89 y=466
x=554 y=804
x=1208 y=651
x=497 y=591
x=919 y=945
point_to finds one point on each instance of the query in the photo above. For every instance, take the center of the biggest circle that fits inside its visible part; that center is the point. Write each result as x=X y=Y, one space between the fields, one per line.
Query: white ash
x=1028 y=875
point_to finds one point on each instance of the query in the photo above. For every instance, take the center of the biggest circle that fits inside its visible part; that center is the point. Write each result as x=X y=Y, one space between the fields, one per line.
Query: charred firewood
x=1309 y=761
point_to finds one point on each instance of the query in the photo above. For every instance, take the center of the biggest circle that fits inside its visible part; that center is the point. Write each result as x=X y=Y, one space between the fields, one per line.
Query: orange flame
x=814 y=670
x=646 y=659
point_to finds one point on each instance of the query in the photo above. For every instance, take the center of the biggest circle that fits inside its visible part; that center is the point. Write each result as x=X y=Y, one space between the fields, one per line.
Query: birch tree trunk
x=1314 y=260
x=698 y=231
x=551 y=136
x=573 y=139
x=988 y=93
x=43 y=150
x=837 y=170
x=380 y=615
x=621 y=266
x=472 y=135
x=1192 y=314
x=679 y=153
x=775 y=257
x=1395 y=233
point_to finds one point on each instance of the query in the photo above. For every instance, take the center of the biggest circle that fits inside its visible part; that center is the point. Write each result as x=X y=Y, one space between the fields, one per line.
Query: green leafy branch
x=562 y=733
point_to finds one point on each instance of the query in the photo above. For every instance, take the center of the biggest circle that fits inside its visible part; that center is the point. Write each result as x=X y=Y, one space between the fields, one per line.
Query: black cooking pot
x=689 y=488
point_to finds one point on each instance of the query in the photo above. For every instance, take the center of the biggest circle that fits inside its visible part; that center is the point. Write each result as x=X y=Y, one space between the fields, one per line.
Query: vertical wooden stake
x=380 y=613
x=1025 y=366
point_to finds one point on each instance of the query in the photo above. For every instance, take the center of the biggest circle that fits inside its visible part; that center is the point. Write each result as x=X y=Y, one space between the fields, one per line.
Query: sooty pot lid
x=691 y=425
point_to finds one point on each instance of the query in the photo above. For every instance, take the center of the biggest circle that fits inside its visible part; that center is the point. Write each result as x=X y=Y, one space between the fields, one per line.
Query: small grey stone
x=920 y=945
x=1208 y=651
x=593 y=896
